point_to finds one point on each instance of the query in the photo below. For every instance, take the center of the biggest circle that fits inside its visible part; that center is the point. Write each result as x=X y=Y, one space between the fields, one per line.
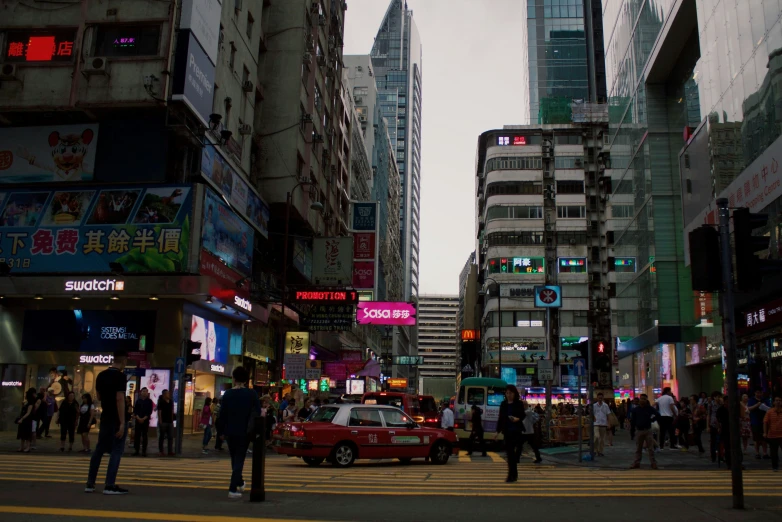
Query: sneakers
x=205 y=452
x=234 y=494
x=114 y=490
x=89 y=488
x=242 y=487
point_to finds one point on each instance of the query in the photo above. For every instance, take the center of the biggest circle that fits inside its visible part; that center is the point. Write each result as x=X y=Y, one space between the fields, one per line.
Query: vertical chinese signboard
x=365 y=245
x=297 y=349
x=144 y=229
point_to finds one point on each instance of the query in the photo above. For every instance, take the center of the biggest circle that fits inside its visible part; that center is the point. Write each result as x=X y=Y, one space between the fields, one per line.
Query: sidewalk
x=191 y=446
x=621 y=455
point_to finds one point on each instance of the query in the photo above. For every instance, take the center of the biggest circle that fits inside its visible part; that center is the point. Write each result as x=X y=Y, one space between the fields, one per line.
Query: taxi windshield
x=323 y=414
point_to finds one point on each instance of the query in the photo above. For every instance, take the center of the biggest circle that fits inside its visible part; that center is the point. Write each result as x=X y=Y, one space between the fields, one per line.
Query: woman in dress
x=86 y=419
x=25 y=430
x=746 y=428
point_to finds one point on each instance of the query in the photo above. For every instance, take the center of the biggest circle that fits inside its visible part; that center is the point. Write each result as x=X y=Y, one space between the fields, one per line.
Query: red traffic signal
x=601 y=347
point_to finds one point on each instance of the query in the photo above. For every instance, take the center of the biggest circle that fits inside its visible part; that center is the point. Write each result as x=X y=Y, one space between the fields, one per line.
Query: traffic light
x=192 y=352
x=601 y=358
x=705 y=265
x=749 y=267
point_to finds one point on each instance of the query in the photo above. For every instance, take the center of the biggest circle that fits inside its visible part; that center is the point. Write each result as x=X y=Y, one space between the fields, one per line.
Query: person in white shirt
x=447 y=421
x=666 y=405
x=600 y=412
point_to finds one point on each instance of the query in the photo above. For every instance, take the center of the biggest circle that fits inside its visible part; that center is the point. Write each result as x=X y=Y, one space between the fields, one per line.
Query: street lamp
x=317 y=206
x=499 y=323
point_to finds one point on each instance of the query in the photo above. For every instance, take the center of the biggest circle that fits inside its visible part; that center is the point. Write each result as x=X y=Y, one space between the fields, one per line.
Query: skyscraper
x=558 y=58
x=397 y=60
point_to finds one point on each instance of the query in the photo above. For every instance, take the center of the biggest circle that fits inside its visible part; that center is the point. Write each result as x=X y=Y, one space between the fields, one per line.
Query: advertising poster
x=143 y=229
x=226 y=235
x=213 y=338
x=332 y=260
x=236 y=190
x=155 y=380
x=48 y=154
x=364 y=245
x=386 y=313
x=363 y=274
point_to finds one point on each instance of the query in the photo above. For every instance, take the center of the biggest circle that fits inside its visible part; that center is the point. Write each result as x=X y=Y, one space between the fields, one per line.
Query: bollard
x=257 y=489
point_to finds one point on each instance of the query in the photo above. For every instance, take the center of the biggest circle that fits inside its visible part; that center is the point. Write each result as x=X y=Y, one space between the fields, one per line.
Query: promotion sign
x=386 y=313
x=332 y=260
x=364 y=245
x=363 y=274
x=226 y=181
x=144 y=229
x=226 y=235
x=194 y=77
x=52 y=153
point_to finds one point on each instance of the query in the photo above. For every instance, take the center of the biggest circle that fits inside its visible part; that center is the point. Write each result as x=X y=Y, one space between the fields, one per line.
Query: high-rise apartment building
x=558 y=57
x=397 y=60
x=437 y=339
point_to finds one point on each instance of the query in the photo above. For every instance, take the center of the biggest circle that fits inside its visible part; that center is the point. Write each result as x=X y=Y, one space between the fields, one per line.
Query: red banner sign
x=211 y=266
x=364 y=245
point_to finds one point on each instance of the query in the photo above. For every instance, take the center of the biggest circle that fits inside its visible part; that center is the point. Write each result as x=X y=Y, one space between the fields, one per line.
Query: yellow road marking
x=173 y=517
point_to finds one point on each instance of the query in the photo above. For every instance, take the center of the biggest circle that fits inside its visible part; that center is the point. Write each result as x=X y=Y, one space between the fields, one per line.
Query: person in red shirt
x=772 y=430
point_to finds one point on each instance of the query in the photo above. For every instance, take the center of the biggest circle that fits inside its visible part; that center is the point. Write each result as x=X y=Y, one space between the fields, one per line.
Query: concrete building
x=437 y=339
x=540 y=220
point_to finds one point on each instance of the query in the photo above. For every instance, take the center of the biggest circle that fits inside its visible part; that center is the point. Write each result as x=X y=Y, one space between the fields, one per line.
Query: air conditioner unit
x=96 y=66
x=248 y=86
x=245 y=129
x=549 y=228
x=9 y=72
x=307 y=58
x=603 y=304
x=579 y=162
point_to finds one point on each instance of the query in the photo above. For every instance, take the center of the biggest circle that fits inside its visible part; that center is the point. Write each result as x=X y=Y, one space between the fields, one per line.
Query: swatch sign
x=385 y=313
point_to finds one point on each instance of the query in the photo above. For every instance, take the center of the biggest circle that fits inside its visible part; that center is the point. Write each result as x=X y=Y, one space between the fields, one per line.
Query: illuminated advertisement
x=38 y=45
x=572 y=265
x=213 y=338
x=517 y=265
x=226 y=235
x=155 y=380
x=48 y=153
x=386 y=313
x=90 y=331
x=354 y=387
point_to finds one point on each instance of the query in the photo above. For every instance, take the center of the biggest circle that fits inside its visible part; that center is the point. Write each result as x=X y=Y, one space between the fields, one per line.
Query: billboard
x=144 y=229
x=49 y=153
x=226 y=181
x=385 y=313
x=226 y=235
x=363 y=275
x=365 y=216
x=213 y=338
x=332 y=260
x=202 y=17
x=194 y=77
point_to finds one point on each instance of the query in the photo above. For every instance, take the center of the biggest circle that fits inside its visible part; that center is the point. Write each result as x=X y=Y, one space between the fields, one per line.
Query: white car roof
x=343 y=415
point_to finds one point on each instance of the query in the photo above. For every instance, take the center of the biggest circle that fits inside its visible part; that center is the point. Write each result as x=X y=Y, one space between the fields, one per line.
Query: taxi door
x=402 y=441
x=366 y=427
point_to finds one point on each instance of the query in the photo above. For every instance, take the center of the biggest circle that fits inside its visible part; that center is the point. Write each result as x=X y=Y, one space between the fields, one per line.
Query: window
x=127 y=40
x=232 y=58
x=501 y=188
x=568 y=162
x=516 y=265
x=324 y=414
x=528 y=319
x=245 y=75
x=250 y=23
x=360 y=91
x=396 y=419
x=515 y=238
x=365 y=418
x=476 y=396
x=514 y=163
x=571 y=211
x=573 y=238
x=622 y=211
x=570 y=187
x=574 y=139
x=572 y=265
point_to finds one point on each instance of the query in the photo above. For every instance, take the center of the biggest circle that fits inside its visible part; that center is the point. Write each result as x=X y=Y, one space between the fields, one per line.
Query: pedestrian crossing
x=462 y=476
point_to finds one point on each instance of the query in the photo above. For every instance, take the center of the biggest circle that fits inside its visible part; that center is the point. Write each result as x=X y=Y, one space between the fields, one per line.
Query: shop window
x=127 y=40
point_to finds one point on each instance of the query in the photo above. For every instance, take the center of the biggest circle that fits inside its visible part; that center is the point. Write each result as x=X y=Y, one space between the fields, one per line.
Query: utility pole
x=729 y=334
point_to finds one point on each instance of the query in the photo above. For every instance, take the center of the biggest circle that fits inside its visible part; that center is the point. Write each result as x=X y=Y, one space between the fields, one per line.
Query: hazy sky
x=472 y=80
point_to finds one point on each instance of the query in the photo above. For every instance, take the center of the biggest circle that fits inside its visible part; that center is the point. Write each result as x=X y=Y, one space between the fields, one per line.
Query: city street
x=468 y=488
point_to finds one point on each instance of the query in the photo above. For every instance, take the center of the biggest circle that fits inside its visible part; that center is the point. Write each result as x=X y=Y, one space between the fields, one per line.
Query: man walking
x=476 y=431
x=666 y=405
x=642 y=417
x=600 y=412
x=239 y=405
x=447 y=421
x=165 y=423
x=142 y=412
x=757 y=411
x=110 y=386
x=772 y=430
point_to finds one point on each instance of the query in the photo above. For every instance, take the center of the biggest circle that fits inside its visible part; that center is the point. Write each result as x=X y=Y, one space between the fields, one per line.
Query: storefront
x=759 y=340
x=653 y=369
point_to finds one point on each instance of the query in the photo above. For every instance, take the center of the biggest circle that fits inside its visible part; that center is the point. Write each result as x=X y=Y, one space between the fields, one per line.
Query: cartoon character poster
x=48 y=154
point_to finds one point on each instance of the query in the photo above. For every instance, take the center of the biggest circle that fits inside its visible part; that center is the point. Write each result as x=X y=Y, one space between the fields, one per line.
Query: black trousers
x=218 y=435
x=141 y=435
x=697 y=433
x=513 y=452
x=67 y=429
x=43 y=426
x=476 y=436
x=713 y=443
x=530 y=439
x=773 y=446
x=667 y=428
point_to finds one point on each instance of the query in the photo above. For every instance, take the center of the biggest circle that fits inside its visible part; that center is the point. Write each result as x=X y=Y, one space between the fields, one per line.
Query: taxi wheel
x=344 y=455
x=405 y=460
x=440 y=454
x=312 y=461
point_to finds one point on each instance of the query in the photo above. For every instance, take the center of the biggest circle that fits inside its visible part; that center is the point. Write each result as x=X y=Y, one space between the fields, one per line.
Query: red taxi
x=342 y=433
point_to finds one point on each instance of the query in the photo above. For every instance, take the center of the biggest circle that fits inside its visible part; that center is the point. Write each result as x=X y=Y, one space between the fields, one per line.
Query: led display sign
x=326 y=296
x=511 y=140
x=517 y=265
x=624 y=264
x=40 y=46
x=572 y=265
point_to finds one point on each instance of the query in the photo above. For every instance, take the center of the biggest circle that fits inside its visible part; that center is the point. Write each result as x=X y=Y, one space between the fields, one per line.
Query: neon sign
x=385 y=313
x=317 y=296
x=108 y=285
x=11 y=384
x=39 y=46
x=96 y=359
x=243 y=303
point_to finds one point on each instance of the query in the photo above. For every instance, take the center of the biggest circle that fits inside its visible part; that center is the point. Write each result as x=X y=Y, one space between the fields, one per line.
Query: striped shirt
x=773 y=423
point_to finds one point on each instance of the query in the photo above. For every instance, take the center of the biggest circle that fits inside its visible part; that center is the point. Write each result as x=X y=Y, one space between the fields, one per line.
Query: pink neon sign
x=385 y=313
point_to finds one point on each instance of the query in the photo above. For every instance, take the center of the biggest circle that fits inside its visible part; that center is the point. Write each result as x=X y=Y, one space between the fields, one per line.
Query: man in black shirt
x=165 y=422
x=142 y=411
x=641 y=419
x=110 y=386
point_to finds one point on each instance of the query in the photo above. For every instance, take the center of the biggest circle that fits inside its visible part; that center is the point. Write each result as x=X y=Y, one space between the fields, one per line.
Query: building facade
x=437 y=338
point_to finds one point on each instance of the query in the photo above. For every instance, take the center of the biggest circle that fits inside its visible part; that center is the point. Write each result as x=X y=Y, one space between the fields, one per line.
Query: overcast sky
x=472 y=80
